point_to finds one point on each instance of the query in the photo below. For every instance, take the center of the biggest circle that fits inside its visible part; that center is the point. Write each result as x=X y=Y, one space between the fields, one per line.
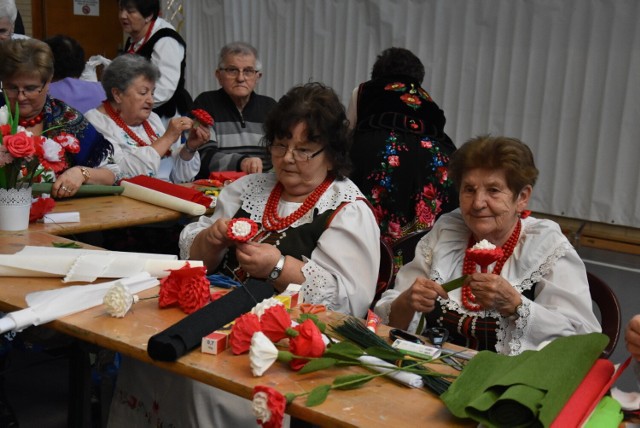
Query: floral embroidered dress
x=544 y=268
x=400 y=155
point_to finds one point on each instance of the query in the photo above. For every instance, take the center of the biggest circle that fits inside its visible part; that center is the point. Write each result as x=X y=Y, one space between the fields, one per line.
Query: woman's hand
x=422 y=295
x=176 y=126
x=257 y=259
x=632 y=337
x=493 y=292
x=197 y=137
x=251 y=165
x=67 y=183
x=216 y=234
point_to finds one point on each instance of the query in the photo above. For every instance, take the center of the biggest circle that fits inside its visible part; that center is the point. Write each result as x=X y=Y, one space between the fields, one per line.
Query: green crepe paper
x=529 y=389
x=608 y=413
x=84 y=190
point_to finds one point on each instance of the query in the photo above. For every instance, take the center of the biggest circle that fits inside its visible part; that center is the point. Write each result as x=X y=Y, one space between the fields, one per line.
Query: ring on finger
x=65 y=188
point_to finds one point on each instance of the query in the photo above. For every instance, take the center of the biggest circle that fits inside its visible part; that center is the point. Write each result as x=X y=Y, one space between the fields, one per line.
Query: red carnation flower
x=484 y=257
x=40 y=207
x=268 y=406
x=202 y=116
x=194 y=293
x=274 y=322
x=308 y=343
x=242 y=332
x=187 y=287
x=241 y=229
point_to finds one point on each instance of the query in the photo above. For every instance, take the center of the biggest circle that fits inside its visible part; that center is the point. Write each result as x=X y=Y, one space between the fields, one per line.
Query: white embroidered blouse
x=343 y=269
x=543 y=256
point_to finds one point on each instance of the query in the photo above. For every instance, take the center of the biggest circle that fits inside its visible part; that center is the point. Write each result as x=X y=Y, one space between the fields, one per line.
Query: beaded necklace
x=132 y=49
x=31 y=122
x=271 y=221
x=118 y=120
x=469 y=266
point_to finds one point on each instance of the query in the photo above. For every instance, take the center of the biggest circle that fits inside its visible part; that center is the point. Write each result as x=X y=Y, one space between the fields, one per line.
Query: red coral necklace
x=271 y=221
x=469 y=266
x=118 y=120
x=28 y=123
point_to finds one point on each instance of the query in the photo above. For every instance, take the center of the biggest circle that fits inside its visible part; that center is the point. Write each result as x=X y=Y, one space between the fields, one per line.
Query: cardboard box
x=216 y=342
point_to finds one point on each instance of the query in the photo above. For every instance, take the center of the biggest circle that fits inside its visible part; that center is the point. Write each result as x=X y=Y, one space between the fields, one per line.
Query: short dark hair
x=124 y=69
x=145 y=7
x=68 y=56
x=496 y=153
x=398 y=61
x=318 y=107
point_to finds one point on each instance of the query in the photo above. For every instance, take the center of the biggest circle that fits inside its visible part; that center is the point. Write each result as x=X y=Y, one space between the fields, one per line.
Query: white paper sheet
x=151 y=196
x=46 y=306
x=410 y=379
x=81 y=265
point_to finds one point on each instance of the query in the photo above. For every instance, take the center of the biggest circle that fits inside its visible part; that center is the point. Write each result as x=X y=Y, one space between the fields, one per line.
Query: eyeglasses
x=28 y=92
x=299 y=155
x=235 y=72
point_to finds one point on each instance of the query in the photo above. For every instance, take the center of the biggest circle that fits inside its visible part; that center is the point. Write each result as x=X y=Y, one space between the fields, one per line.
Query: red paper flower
x=194 y=293
x=20 y=145
x=241 y=229
x=274 y=323
x=242 y=331
x=5 y=129
x=202 y=116
x=40 y=207
x=268 y=406
x=484 y=257
x=308 y=343
x=187 y=287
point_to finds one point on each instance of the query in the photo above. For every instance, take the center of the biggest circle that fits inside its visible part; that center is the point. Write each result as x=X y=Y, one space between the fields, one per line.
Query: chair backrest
x=609 y=308
x=385 y=272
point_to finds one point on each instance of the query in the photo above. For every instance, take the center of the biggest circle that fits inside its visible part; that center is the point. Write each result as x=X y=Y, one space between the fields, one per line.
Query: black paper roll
x=185 y=335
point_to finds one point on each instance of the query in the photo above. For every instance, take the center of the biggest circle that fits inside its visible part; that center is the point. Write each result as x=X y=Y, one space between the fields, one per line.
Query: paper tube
x=161 y=199
x=409 y=379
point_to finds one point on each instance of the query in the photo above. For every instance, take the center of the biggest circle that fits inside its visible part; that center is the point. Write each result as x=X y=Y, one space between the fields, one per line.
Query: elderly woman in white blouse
x=536 y=288
x=142 y=146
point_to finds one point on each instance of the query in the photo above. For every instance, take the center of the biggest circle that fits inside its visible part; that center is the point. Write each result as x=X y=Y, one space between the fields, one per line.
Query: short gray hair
x=125 y=69
x=8 y=9
x=238 y=48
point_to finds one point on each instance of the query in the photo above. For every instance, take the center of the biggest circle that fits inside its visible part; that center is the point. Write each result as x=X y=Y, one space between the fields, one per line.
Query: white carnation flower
x=264 y=305
x=484 y=245
x=118 y=300
x=262 y=354
x=4 y=115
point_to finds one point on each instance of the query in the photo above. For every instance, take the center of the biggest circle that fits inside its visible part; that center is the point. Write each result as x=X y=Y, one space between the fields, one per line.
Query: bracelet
x=189 y=149
x=85 y=173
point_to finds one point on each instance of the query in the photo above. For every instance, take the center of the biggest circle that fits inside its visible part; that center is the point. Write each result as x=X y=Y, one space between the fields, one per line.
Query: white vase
x=15 y=205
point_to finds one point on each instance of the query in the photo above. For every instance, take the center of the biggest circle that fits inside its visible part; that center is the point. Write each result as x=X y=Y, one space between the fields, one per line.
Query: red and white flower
x=268 y=406
x=241 y=229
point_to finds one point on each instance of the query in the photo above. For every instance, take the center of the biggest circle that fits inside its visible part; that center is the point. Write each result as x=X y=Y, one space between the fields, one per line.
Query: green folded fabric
x=529 y=389
x=607 y=414
x=84 y=190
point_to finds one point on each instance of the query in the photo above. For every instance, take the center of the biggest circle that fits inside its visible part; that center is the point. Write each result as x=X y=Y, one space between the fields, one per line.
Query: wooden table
x=380 y=403
x=105 y=212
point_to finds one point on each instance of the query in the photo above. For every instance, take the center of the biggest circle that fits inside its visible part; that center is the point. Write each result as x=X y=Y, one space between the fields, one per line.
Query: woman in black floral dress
x=400 y=152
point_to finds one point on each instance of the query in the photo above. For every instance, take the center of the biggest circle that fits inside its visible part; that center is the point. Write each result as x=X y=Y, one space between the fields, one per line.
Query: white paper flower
x=264 y=305
x=484 y=245
x=4 y=115
x=118 y=300
x=262 y=354
x=260 y=406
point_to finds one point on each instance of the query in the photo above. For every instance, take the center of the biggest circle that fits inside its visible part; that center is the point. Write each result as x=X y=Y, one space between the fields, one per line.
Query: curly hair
x=317 y=106
x=145 y=7
x=495 y=153
x=125 y=69
x=398 y=61
x=29 y=57
x=68 y=56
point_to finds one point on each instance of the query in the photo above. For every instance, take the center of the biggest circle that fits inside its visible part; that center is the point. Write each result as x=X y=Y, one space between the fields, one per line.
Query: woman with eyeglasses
x=26 y=71
x=142 y=144
x=315 y=229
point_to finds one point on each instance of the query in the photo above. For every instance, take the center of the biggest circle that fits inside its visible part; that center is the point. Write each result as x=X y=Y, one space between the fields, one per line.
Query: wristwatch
x=277 y=269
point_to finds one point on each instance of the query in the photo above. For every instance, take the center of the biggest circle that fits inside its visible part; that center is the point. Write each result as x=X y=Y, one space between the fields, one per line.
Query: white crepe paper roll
x=151 y=196
x=410 y=379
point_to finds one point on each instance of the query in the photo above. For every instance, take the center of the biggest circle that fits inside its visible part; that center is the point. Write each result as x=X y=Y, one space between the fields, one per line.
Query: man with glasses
x=238 y=113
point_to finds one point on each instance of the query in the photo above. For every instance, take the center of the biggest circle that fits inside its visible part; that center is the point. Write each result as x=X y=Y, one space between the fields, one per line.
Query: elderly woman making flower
x=142 y=146
x=26 y=70
x=316 y=229
x=536 y=291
